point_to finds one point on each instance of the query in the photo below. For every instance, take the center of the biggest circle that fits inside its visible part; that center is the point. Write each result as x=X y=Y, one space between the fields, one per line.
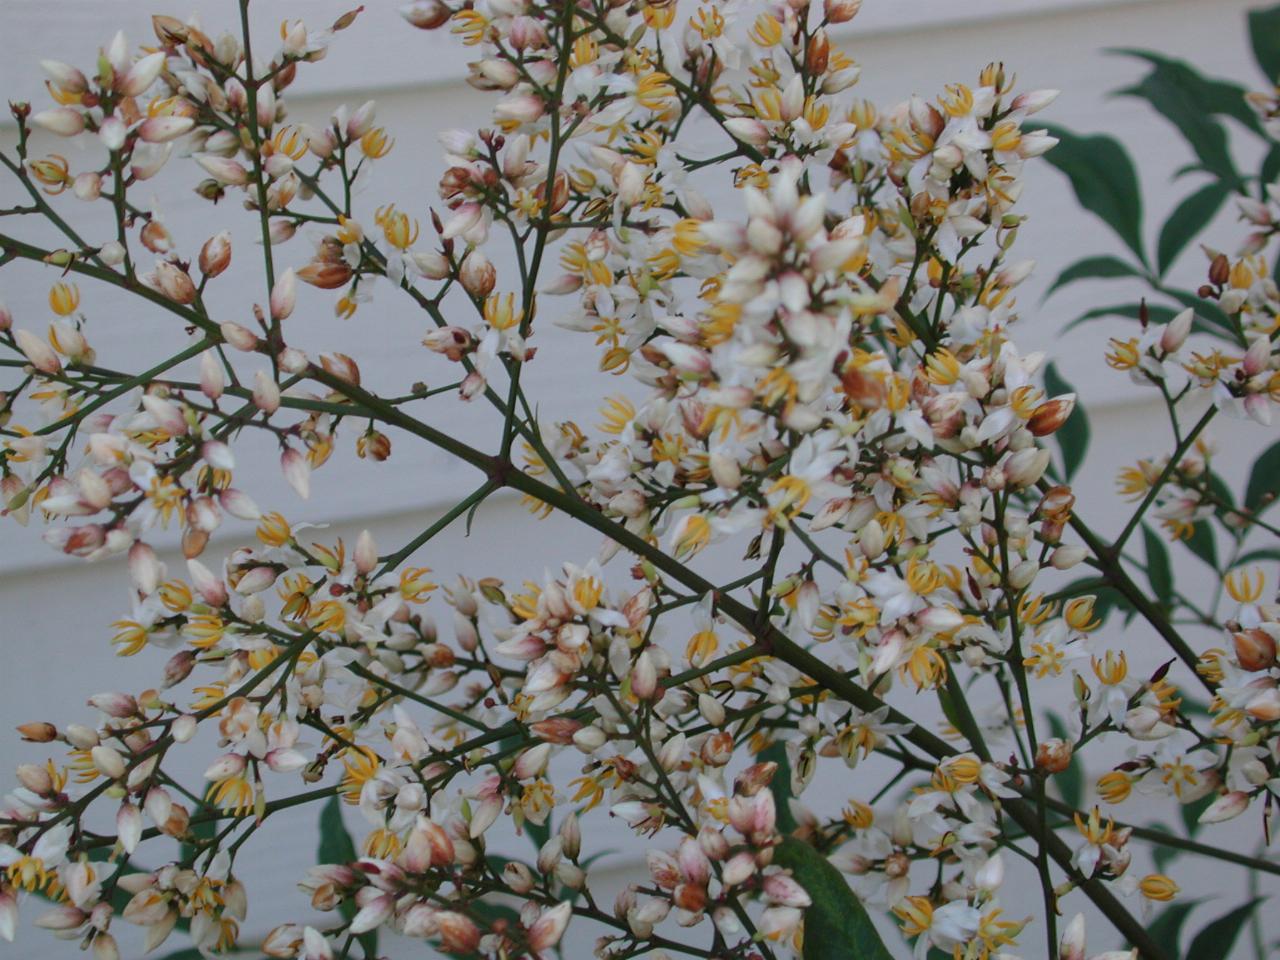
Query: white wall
x=55 y=615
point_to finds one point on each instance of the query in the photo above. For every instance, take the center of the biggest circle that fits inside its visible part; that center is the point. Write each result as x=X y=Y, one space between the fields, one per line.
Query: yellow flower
x=1245 y=586
x=361 y=764
x=375 y=144
x=64 y=298
x=130 y=637
x=1114 y=786
x=414 y=585
x=1157 y=886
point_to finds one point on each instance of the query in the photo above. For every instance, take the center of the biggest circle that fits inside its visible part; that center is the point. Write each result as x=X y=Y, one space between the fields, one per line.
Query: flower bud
x=62 y=121
x=1053 y=756
x=1051 y=415
x=477 y=274
x=38 y=732
x=283 y=295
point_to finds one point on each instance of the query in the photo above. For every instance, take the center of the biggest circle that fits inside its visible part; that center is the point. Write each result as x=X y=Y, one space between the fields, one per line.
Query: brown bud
x=1051 y=415
x=374 y=445
x=1053 y=756
x=38 y=732
x=1219 y=270
x=477 y=274
x=754 y=779
x=341 y=366
x=818 y=54
x=1255 y=649
x=326 y=276
x=841 y=11
x=215 y=255
x=717 y=749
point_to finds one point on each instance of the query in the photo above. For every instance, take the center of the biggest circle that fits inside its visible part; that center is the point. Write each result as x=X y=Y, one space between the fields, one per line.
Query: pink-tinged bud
x=841 y=11
x=240 y=337
x=255 y=581
x=184 y=728
x=65 y=76
x=283 y=295
x=88 y=187
x=527 y=33
x=128 y=826
x=165 y=129
x=62 y=121
x=37 y=732
x=107 y=762
x=211 y=588
x=174 y=282
x=464 y=219
x=266 y=392
x=1264 y=706
x=784 y=890
x=228 y=172
x=532 y=762
x=1072 y=945
x=178 y=668
x=212 y=380
x=644 y=677
x=297 y=471
x=1176 y=332
x=1258 y=357
x=239 y=504
x=1226 y=807
x=686 y=358
x=1034 y=101
x=748 y=130
x=293 y=361
x=426 y=14
x=1026 y=467
x=1065 y=557
x=65 y=917
x=361 y=120
x=218 y=455
x=141 y=75
x=226 y=766
x=38 y=353
x=145 y=568
x=740 y=868
x=35 y=778
x=433 y=264
x=118 y=705
x=457 y=933
x=280 y=231
x=366 y=553
x=549 y=928
x=6 y=318
x=167 y=414
x=519 y=108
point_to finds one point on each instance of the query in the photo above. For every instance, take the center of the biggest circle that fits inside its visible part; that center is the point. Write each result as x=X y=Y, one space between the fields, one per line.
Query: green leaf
x=1264 y=480
x=336 y=846
x=1270 y=171
x=1215 y=941
x=1158 y=570
x=1090 y=268
x=1072 y=436
x=1070 y=782
x=780 y=785
x=836 y=925
x=1205 y=136
x=1166 y=930
x=1208 y=95
x=1264 y=37
x=1104 y=181
x=1188 y=218
x=1203 y=543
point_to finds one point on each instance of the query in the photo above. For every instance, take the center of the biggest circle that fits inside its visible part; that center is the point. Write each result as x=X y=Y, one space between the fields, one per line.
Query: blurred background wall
x=55 y=613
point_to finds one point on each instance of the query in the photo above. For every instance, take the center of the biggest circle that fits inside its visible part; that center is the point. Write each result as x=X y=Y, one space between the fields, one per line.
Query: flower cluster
x=812 y=300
